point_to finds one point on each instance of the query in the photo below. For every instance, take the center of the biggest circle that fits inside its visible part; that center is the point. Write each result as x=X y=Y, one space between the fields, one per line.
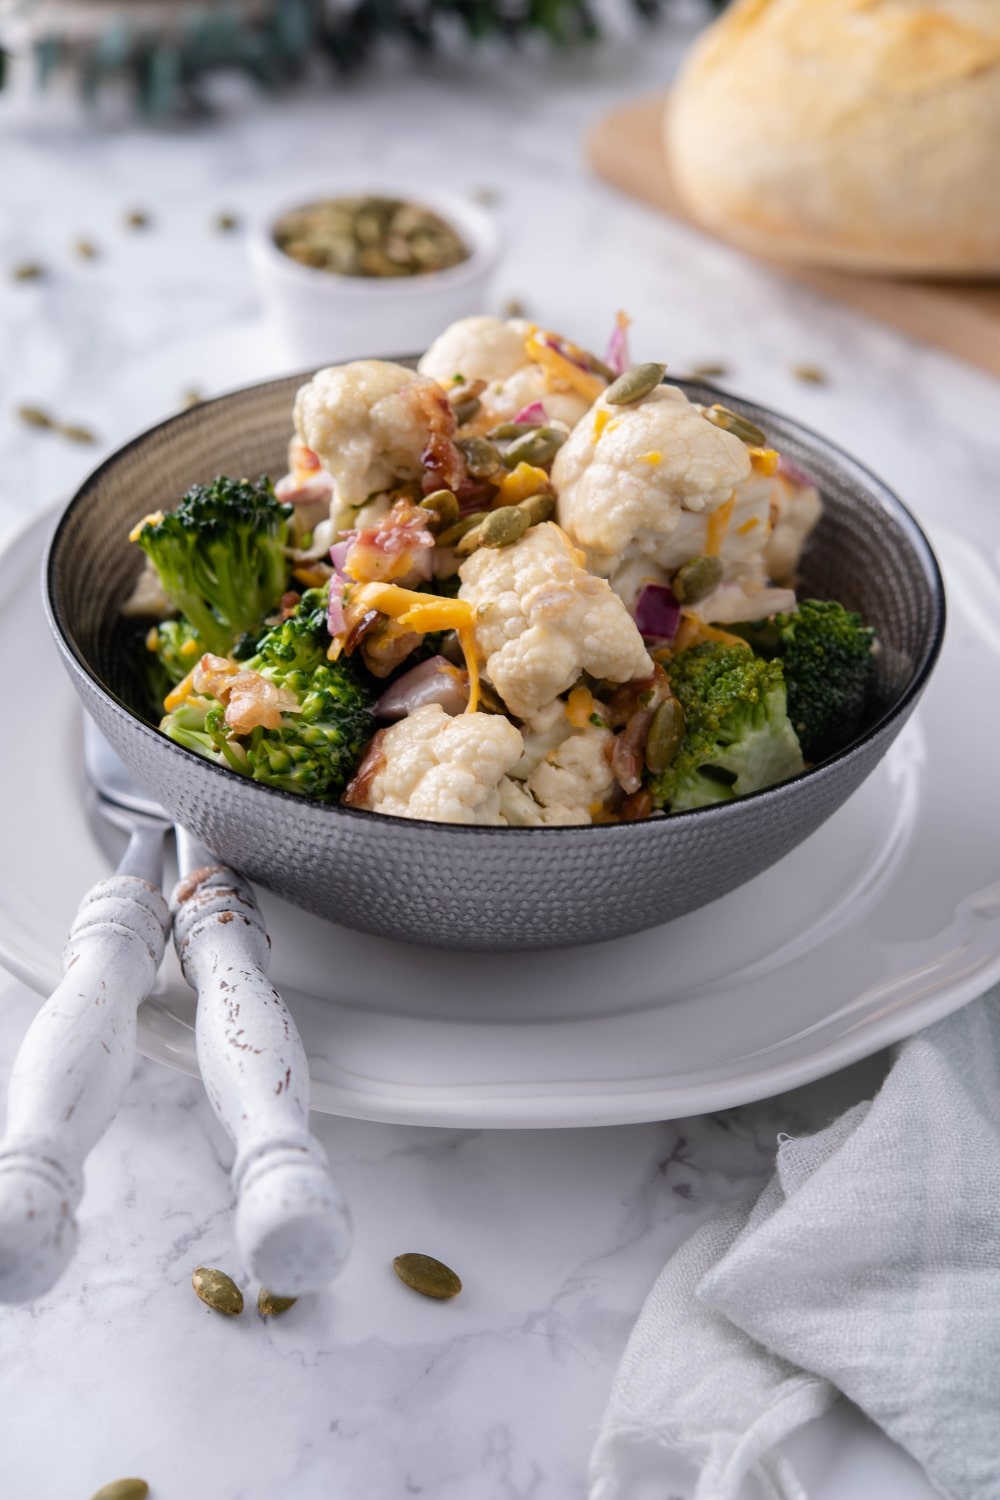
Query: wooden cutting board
x=626 y=148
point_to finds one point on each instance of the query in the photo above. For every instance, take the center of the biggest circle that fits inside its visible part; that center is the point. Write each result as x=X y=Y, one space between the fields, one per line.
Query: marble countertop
x=369 y=1391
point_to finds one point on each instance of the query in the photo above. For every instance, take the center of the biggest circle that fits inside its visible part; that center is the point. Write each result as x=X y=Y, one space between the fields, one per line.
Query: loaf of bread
x=861 y=134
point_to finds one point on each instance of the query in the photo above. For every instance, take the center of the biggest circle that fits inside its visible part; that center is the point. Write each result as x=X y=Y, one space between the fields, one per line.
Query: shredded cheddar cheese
x=765 y=461
x=601 y=420
x=153 y=519
x=182 y=692
x=653 y=458
x=579 y=707
x=521 y=482
x=718 y=525
x=426 y=612
x=748 y=526
x=558 y=367
x=693 y=631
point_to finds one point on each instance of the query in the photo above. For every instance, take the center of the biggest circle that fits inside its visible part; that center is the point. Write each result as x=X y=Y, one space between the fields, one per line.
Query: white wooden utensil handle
x=292 y=1225
x=69 y=1077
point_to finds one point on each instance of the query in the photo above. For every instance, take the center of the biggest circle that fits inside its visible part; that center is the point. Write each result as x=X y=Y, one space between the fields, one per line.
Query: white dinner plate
x=886 y=918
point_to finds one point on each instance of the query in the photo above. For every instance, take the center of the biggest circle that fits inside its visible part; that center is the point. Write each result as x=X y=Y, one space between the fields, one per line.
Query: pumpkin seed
x=748 y=432
x=466 y=410
x=75 y=432
x=270 y=1304
x=810 y=374
x=85 y=249
x=28 y=270
x=218 y=1290
x=503 y=526
x=634 y=384
x=453 y=534
x=507 y=430
x=467 y=544
x=443 y=507
x=665 y=735
x=426 y=1275
x=537 y=448
x=226 y=223
x=137 y=218
x=34 y=416
x=481 y=458
x=538 y=508
x=513 y=308
x=696 y=579
x=123 y=1489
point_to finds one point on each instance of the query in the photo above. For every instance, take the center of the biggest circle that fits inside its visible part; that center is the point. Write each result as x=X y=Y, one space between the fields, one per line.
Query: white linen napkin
x=869 y=1264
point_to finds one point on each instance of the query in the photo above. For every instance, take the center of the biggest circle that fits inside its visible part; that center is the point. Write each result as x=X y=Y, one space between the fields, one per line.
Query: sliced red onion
x=433 y=681
x=617 y=357
x=295 y=491
x=790 y=470
x=336 y=622
x=656 y=612
x=535 y=412
x=339 y=551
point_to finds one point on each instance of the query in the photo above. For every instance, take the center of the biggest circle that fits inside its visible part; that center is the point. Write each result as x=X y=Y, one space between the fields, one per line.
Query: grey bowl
x=480 y=888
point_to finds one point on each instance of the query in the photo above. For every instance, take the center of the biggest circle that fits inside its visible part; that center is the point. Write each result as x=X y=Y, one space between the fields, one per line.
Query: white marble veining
x=368 y=1391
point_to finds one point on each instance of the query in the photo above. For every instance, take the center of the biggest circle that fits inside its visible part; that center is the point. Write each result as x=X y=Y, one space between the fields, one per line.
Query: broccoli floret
x=737 y=735
x=176 y=646
x=826 y=653
x=313 y=752
x=221 y=557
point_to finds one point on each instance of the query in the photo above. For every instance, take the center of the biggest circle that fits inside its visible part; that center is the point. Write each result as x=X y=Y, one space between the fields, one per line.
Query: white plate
x=886 y=919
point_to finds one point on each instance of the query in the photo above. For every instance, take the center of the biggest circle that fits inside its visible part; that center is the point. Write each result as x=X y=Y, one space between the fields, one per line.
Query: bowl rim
x=478 y=229
x=885 y=497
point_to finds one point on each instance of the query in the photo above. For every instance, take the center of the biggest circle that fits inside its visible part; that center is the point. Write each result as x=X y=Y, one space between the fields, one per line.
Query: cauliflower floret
x=542 y=619
x=487 y=349
x=574 y=780
x=478 y=348
x=438 y=768
x=634 y=473
x=796 y=511
x=505 y=398
x=362 y=421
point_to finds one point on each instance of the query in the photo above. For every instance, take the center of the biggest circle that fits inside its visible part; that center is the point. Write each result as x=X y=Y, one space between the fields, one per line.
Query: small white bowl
x=323 y=318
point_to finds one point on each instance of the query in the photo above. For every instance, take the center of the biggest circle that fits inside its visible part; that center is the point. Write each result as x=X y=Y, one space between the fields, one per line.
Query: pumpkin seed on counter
x=730 y=421
x=269 y=1304
x=27 y=270
x=810 y=374
x=34 y=416
x=369 y=236
x=429 y=1277
x=85 y=249
x=217 y=1290
x=634 y=384
x=122 y=1489
x=137 y=218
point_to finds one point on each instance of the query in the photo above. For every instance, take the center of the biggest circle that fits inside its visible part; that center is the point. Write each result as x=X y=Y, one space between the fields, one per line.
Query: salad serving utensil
x=70 y=1074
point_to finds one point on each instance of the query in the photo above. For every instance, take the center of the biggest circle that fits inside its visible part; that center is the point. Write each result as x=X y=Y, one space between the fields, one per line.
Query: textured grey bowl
x=485 y=888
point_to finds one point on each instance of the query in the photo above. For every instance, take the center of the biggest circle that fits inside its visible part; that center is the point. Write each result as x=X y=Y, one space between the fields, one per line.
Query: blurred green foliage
x=276 y=42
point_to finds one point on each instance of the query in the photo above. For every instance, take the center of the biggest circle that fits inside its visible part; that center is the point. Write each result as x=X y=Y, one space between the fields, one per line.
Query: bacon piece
x=356 y=792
